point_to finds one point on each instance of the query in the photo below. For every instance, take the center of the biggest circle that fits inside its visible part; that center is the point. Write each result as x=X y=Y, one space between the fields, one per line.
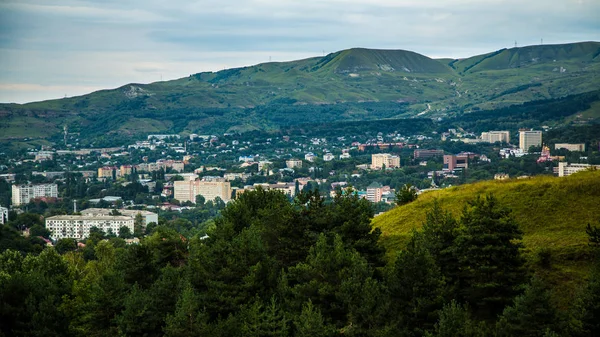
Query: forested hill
x=310 y=268
x=395 y=84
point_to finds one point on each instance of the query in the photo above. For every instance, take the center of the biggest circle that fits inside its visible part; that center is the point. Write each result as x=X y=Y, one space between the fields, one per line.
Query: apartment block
x=107 y=171
x=375 y=191
x=529 y=138
x=570 y=147
x=293 y=163
x=495 y=136
x=453 y=162
x=566 y=169
x=22 y=194
x=380 y=160
x=3 y=215
x=428 y=153
x=132 y=213
x=210 y=190
x=78 y=226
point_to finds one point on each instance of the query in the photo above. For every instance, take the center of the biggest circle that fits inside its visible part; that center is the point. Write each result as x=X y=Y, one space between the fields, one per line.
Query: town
x=192 y=178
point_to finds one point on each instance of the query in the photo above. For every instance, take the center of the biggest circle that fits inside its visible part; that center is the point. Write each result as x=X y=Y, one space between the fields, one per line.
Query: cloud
x=85 y=44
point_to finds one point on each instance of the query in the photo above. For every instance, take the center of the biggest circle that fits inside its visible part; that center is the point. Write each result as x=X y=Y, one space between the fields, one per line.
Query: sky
x=56 y=48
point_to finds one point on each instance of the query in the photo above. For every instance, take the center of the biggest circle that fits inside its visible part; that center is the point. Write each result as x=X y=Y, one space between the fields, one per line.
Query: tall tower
x=65 y=130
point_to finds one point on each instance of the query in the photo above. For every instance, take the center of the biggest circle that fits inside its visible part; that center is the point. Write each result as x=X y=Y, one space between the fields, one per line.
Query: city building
x=22 y=194
x=3 y=215
x=570 y=147
x=78 y=226
x=132 y=213
x=381 y=160
x=210 y=190
x=496 y=136
x=293 y=163
x=107 y=172
x=529 y=138
x=264 y=164
x=328 y=157
x=565 y=169
x=375 y=191
x=126 y=170
x=310 y=157
x=453 y=162
x=428 y=153
x=44 y=155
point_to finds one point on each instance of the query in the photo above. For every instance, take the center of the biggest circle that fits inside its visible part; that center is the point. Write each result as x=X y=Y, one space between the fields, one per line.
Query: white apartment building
x=529 y=138
x=210 y=190
x=495 y=136
x=570 y=147
x=22 y=194
x=378 y=161
x=78 y=226
x=132 y=213
x=3 y=215
x=566 y=169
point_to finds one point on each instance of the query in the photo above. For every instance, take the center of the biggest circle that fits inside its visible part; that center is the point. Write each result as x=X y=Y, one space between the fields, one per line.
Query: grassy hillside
x=269 y=95
x=552 y=212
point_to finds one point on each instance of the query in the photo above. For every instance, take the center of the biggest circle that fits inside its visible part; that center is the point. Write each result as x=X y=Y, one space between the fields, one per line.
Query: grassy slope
x=552 y=212
x=488 y=81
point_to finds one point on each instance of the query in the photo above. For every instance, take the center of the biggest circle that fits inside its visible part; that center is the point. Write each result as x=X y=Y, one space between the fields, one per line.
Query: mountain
x=552 y=212
x=354 y=84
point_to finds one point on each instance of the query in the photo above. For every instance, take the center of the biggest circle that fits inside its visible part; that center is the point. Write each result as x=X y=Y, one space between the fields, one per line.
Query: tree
x=416 y=286
x=593 y=235
x=125 y=233
x=65 y=245
x=310 y=323
x=138 y=225
x=260 y=320
x=455 y=321
x=188 y=318
x=406 y=194
x=39 y=230
x=488 y=251
x=531 y=314
x=200 y=200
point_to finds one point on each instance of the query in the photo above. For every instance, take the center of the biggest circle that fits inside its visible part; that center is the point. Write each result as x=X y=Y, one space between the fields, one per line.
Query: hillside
x=552 y=213
x=397 y=84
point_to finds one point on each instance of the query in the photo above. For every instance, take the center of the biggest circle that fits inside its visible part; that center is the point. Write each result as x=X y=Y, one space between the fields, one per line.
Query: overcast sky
x=52 y=48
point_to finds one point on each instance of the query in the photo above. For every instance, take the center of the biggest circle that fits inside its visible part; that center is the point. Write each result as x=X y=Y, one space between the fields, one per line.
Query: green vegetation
x=350 y=85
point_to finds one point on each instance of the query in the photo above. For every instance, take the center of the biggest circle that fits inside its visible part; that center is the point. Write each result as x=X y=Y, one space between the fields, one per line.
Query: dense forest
x=269 y=267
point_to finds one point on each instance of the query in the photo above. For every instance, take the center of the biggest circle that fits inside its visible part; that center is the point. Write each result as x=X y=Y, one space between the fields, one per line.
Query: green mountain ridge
x=405 y=83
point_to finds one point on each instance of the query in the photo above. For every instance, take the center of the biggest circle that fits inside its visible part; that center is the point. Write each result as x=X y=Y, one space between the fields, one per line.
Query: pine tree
x=455 y=321
x=488 y=251
x=188 y=318
x=310 y=323
x=531 y=314
x=264 y=320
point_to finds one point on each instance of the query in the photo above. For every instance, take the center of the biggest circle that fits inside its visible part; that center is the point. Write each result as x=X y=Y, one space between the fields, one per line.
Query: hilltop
x=338 y=86
x=552 y=212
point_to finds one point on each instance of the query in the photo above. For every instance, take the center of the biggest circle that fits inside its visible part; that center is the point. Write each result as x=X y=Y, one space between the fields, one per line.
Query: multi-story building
x=380 y=160
x=496 y=136
x=529 y=138
x=328 y=157
x=310 y=157
x=566 y=169
x=22 y=194
x=3 y=215
x=210 y=190
x=125 y=170
x=132 y=213
x=453 y=162
x=44 y=155
x=78 y=226
x=428 y=153
x=570 y=147
x=375 y=191
x=107 y=172
x=293 y=163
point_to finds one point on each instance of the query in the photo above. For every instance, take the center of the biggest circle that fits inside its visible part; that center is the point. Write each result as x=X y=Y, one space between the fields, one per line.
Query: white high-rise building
x=495 y=136
x=529 y=138
x=22 y=194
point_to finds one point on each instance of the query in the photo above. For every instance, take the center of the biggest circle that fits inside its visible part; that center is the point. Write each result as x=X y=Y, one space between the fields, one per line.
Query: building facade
x=78 y=226
x=570 y=147
x=3 y=215
x=132 y=213
x=380 y=160
x=375 y=192
x=566 y=169
x=428 y=153
x=210 y=190
x=496 y=136
x=453 y=162
x=293 y=163
x=22 y=194
x=107 y=172
x=529 y=138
